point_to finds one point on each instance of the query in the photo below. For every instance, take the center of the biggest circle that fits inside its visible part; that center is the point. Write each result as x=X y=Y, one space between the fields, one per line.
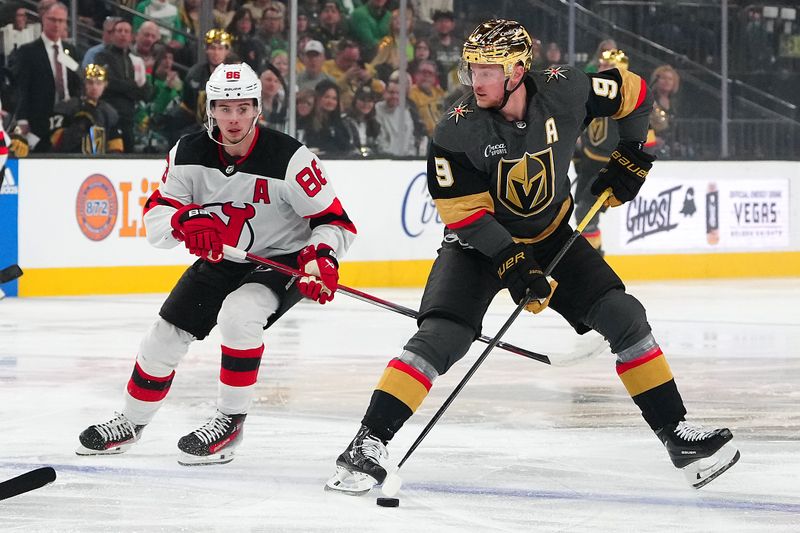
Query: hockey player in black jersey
x=595 y=146
x=497 y=171
x=252 y=188
x=87 y=124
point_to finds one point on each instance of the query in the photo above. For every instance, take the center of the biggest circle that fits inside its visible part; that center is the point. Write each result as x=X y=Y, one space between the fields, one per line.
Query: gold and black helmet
x=616 y=58
x=498 y=42
x=218 y=36
x=95 y=72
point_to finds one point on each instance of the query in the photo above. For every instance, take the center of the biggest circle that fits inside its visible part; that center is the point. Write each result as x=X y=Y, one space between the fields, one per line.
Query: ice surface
x=525 y=447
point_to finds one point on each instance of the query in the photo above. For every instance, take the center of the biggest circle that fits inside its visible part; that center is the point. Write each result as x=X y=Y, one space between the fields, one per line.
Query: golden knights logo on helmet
x=526 y=185
x=497 y=42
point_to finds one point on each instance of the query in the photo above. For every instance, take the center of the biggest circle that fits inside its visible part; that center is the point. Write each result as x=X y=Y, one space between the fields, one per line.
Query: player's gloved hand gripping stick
x=235 y=253
x=392 y=483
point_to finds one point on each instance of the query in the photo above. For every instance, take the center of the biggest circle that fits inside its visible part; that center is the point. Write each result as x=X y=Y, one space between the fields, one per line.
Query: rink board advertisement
x=698 y=214
x=97 y=206
x=80 y=225
x=81 y=221
x=8 y=223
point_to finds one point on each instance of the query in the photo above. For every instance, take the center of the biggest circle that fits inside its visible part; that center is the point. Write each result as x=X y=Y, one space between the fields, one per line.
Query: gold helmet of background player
x=95 y=72
x=499 y=42
x=218 y=36
x=615 y=58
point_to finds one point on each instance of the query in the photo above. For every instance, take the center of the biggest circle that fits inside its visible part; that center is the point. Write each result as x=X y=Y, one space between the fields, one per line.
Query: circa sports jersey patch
x=459 y=111
x=555 y=73
x=526 y=186
x=495 y=149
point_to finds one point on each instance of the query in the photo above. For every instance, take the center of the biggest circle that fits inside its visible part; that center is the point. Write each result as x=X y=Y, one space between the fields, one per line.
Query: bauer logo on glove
x=522 y=276
x=202 y=232
x=625 y=173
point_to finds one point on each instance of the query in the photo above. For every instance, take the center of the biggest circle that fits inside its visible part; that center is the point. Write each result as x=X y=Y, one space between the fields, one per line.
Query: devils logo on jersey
x=526 y=186
x=238 y=229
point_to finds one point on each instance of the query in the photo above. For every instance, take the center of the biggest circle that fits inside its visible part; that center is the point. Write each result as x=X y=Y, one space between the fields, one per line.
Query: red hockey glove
x=323 y=272
x=200 y=231
x=625 y=173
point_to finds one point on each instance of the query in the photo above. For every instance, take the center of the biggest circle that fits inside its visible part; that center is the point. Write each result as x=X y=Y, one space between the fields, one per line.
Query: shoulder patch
x=459 y=111
x=555 y=73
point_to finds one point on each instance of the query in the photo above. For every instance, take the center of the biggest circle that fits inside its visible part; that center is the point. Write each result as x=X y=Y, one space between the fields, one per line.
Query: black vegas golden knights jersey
x=80 y=125
x=599 y=139
x=493 y=180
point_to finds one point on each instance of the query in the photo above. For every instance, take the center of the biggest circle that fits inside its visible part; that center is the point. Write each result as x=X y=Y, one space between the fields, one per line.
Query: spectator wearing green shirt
x=166 y=14
x=369 y=24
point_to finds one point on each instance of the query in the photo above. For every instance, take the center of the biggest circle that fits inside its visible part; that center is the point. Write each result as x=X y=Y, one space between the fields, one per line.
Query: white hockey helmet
x=232 y=82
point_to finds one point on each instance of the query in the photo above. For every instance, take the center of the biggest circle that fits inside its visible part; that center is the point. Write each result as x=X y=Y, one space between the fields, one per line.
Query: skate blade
x=350 y=483
x=702 y=472
x=187 y=459
x=83 y=450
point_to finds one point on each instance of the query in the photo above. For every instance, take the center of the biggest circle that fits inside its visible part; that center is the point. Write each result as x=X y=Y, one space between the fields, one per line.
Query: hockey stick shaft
x=504 y=328
x=230 y=251
x=27 y=482
x=10 y=273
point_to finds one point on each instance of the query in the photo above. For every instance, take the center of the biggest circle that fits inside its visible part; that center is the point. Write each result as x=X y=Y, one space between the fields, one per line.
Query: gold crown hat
x=615 y=57
x=95 y=72
x=218 y=36
x=499 y=42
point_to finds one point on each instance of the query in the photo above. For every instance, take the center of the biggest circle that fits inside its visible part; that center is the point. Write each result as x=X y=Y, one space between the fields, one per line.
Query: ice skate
x=214 y=442
x=701 y=454
x=114 y=436
x=358 y=468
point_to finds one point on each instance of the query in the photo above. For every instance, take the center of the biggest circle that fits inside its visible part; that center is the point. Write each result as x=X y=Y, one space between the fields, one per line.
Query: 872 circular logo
x=96 y=207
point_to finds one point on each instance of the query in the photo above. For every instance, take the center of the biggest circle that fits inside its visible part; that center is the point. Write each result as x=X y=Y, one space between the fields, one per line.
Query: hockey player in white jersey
x=249 y=187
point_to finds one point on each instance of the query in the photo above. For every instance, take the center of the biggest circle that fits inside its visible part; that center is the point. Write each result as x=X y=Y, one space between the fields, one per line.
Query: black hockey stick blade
x=10 y=273
x=35 y=479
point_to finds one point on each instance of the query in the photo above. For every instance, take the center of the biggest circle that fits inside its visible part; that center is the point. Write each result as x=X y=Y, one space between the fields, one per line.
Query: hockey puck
x=388 y=502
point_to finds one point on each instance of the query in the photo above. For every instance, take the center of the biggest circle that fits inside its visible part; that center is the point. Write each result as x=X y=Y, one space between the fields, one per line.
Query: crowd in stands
x=142 y=86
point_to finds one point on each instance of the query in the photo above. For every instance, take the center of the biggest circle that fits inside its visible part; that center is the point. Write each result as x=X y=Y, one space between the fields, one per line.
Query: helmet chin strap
x=507 y=94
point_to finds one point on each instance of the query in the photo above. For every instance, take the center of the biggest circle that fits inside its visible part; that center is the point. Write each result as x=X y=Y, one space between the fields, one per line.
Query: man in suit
x=124 y=89
x=46 y=73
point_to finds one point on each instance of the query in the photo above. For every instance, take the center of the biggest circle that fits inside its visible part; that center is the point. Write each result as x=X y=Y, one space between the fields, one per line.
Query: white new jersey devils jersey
x=275 y=200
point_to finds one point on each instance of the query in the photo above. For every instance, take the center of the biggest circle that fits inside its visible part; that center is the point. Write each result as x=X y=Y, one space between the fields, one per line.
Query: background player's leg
x=584 y=199
x=160 y=352
x=241 y=323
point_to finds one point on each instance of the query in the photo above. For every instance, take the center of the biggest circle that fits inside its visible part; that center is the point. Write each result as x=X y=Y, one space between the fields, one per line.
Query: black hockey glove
x=519 y=272
x=625 y=173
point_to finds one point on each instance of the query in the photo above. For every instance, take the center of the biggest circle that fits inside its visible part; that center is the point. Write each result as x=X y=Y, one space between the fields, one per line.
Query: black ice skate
x=358 y=468
x=702 y=454
x=213 y=442
x=114 y=436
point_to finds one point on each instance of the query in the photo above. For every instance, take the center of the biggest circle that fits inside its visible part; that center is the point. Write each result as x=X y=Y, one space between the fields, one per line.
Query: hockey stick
x=392 y=483
x=365 y=297
x=10 y=274
x=27 y=482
